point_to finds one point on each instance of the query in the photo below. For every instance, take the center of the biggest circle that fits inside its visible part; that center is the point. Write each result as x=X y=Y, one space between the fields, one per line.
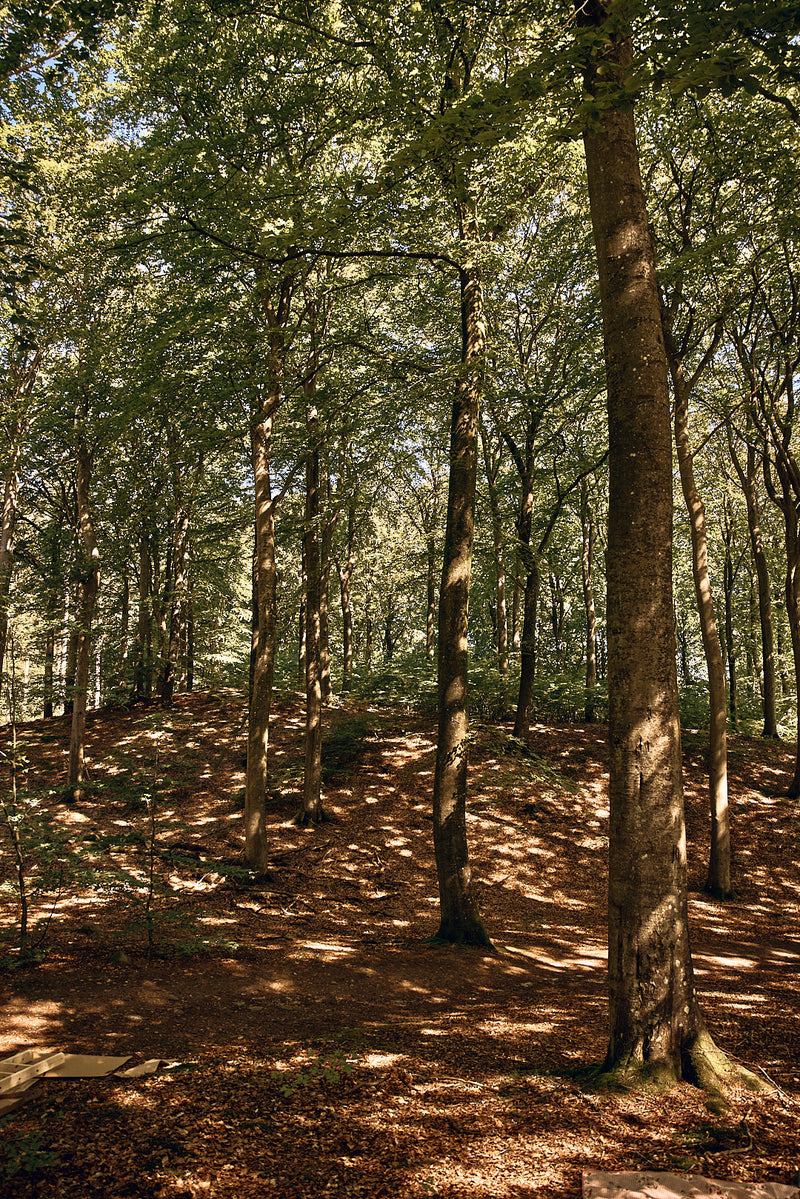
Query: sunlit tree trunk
x=718 y=881
x=460 y=917
x=655 y=1021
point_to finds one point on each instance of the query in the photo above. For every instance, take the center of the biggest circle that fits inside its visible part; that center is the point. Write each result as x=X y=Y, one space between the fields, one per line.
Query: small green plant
x=331 y=1065
x=22 y=1153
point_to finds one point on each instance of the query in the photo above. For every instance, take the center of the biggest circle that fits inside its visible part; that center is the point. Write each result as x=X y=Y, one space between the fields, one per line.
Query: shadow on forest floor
x=319 y=1044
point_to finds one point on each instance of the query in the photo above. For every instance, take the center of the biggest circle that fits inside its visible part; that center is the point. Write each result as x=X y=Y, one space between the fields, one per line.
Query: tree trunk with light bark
x=460 y=918
x=656 y=1028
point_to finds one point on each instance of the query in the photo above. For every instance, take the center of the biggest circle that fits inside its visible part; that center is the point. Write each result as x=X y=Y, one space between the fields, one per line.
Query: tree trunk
x=492 y=464
x=655 y=1022
x=728 y=578
x=142 y=666
x=345 y=572
x=516 y=597
x=89 y=583
x=430 y=620
x=264 y=656
x=747 y=478
x=527 y=674
x=311 y=811
x=179 y=574
x=718 y=882
x=9 y=519
x=587 y=564
x=460 y=918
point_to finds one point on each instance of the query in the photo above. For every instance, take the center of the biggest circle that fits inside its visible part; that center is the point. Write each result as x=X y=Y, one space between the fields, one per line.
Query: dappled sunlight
x=322 y=1043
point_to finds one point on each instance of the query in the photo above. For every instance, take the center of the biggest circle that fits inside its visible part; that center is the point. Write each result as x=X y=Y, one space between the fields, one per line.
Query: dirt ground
x=315 y=1043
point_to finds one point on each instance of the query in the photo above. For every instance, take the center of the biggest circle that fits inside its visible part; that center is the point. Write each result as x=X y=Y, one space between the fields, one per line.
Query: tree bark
x=655 y=1023
x=587 y=565
x=266 y=401
x=9 y=520
x=264 y=657
x=312 y=812
x=88 y=586
x=718 y=882
x=492 y=465
x=747 y=479
x=345 y=572
x=460 y=917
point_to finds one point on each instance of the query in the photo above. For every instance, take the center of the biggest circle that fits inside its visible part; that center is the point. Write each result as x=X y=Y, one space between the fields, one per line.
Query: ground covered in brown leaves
x=315 y=1043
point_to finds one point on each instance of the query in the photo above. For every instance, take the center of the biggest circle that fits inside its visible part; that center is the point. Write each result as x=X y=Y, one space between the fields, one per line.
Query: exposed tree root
x=305 y=819
x=702 y=1063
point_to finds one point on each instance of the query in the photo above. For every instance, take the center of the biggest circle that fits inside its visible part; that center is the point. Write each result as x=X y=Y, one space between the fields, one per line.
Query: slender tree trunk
x=730 y=645
x=264 y=657
x=302 y=626
x=655 y=1021
x=587 y=565
x=141 y=668
x=326 y=561
x=718 y=882
x=177 y=605
x=9 y=519
x=89 y=566
x=345 y=572
x=747 y=478
x=189 y=637
x=516 y=597
x=430 y=622
x=528 y=645
x=492 y=467
x=311 y=811
x=460 y=918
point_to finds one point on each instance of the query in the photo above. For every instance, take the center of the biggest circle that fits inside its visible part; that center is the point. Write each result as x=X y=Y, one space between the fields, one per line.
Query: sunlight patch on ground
x=327 y=948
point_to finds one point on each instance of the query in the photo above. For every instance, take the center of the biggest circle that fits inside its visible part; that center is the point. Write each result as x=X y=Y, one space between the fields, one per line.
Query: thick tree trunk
x=587 y=566
x=718 y=882
x=89 y=583
x=655 y=1022
x=460 y=918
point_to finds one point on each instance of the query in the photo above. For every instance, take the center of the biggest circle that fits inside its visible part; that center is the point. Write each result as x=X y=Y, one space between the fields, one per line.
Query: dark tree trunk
x=312 y=811
x=89 y=583
x=345 y=571
x=142 y=665
x=430 y=621
x=492 y=463
x=460 y=917
x=7 y=527
x=587 y=565
x=747 y=478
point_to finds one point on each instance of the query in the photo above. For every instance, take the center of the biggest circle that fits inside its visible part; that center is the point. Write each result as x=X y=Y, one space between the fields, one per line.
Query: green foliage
x=22 y=1153
x=562 y=700
x=329 y=1066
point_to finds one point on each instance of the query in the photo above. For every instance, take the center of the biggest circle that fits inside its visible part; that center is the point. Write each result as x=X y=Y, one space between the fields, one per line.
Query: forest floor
x=315 y=1043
